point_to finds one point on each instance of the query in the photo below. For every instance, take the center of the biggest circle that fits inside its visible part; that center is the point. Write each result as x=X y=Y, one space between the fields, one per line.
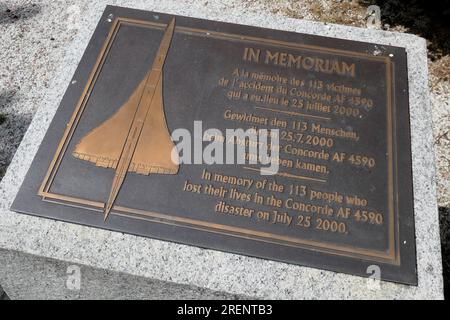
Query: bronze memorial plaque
x=272 y=144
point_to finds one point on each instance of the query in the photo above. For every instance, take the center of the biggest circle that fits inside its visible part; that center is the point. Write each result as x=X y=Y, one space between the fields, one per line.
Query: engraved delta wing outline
x=136 y=137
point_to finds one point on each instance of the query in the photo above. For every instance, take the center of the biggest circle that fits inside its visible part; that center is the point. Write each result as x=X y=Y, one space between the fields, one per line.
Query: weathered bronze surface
x=342 y=198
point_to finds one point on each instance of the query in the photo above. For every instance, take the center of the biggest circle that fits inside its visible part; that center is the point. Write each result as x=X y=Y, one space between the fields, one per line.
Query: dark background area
x=431 y=20
x=428 y=19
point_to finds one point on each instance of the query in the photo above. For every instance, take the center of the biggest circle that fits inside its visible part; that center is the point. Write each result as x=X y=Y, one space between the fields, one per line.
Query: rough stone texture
x=210 y=269
x=440 y=99
x=31 y=277
x=31 y=49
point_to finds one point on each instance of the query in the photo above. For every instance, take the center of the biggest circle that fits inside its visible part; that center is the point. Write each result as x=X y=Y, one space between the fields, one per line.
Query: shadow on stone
x=6 y=97
x=12 y=128
x=428 y=19
x=444 y=219
x=27 y=11
x=3 y=295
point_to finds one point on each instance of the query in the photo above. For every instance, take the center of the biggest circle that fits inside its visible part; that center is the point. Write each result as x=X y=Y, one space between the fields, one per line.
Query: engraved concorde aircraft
x=136 y=138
